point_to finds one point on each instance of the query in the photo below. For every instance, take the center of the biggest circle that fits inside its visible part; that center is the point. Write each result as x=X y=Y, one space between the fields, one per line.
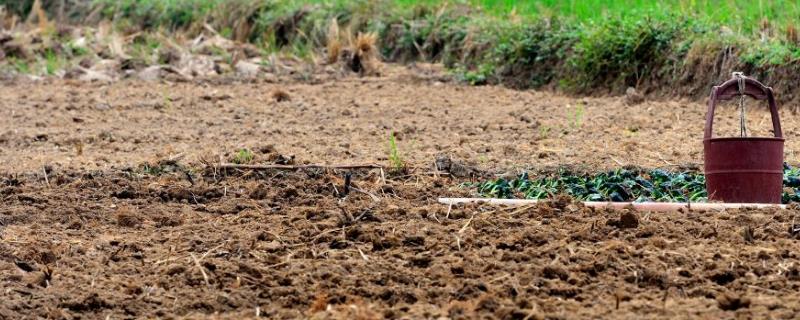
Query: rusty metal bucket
x=743 y=169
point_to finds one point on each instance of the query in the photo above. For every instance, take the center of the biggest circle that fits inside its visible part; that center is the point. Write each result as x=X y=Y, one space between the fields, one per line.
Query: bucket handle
x=752 y=88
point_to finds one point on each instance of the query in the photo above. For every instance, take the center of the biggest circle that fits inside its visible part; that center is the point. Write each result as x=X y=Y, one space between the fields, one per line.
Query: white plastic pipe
x=641 y=206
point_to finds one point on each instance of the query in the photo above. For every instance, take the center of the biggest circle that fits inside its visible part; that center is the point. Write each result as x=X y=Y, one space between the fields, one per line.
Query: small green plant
x=631 y=131
x=791 y=184
x=244 y=156
x=302 y=50
x=20 y=65
x=476 y=77
x=226 y=32
x=145 y=48
x=394 y=155
x=161 y=167
x=577 y=117
x=150 y=170
x=52 y=62
x=76 y=50
x=544 y=131
x=167 y=99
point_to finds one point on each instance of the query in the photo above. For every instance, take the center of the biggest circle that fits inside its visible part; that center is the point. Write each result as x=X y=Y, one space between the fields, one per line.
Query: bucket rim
x=723 y=139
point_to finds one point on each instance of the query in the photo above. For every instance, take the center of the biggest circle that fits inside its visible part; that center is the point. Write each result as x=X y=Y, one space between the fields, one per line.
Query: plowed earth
x=88 y=231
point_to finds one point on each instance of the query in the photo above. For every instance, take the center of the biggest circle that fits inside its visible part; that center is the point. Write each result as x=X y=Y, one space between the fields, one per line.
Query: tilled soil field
x=329 y=119
x=114 y=206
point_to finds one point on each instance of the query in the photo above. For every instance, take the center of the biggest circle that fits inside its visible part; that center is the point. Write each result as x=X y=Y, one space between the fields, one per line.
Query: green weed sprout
x=244 y=156
x=394 y=155
x=544 y=131
x=577 y=118
x=52 y=62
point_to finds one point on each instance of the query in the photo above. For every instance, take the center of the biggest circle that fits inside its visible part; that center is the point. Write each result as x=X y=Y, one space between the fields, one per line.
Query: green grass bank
x=669 y=48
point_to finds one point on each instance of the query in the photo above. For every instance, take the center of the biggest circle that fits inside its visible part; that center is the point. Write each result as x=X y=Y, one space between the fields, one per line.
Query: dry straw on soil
x=333 y=43
x=365 y=60
x=359 y=55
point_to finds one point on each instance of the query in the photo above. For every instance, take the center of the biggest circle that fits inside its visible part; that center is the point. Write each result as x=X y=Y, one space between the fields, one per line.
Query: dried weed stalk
x=334 y=44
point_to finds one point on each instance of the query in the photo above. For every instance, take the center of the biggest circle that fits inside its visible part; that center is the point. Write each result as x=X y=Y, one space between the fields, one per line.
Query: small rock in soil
x=87 y=75
x=151 y=73
x=247 y=69
x=632 y=97
x=454 y=167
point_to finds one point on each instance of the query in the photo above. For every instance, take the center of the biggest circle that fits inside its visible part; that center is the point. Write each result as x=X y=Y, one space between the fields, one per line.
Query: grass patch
x=243 y=156
x=20 y=65
x=741 y=15
x=573 y=45
x=396 y=161
x=53 y=62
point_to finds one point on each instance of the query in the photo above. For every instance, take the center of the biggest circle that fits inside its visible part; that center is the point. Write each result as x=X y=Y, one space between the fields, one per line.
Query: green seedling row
x=621 y=185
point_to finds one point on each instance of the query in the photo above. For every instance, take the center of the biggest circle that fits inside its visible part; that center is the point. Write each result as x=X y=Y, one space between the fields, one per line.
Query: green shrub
x=534 y=52
x=770 y=53
x=625 y=51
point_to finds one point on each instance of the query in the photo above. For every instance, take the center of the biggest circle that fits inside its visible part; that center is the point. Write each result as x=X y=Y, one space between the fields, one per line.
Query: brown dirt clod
x=732 y=301
x=128 y=219
x=280 y=95
x=627 y=220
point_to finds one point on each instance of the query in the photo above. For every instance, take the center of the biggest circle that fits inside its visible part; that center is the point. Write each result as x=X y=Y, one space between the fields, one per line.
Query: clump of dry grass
x=38 y=14
x=365 y=44
x=365 y=54
x=8 y=21
x=765 y=28
x=358 y=55
x=334 y=44
x=764 y=24
x=320 y=303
